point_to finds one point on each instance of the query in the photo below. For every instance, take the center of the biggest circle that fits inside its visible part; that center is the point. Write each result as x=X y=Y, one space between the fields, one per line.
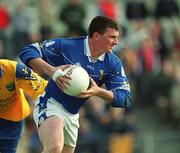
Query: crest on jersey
x=101 y=74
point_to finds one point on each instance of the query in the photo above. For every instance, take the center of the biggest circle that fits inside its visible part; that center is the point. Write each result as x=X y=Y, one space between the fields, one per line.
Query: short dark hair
x=100 y=24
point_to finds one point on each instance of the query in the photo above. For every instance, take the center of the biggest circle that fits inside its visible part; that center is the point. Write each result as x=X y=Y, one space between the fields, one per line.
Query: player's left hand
x=91 y=91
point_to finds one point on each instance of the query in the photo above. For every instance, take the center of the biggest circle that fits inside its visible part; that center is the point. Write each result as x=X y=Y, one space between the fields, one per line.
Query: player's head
x=100 y=24
x=103 y=34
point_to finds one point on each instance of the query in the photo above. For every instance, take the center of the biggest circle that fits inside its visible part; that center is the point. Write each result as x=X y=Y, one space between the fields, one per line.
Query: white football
x=79 y=80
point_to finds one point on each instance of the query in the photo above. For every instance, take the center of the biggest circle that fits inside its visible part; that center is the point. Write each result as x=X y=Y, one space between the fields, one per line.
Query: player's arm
x=41 y=67
x=117 y=97
x=95 y=90
x=40 y=57
x=118 y=83
x=36 y=56
x=44 y=69
x=118 y=89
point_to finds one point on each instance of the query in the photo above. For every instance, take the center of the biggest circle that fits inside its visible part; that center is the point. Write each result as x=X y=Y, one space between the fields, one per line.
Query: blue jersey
x=106 y=70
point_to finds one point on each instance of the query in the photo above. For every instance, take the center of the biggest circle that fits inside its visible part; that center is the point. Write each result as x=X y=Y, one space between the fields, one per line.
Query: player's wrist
x=56 y=74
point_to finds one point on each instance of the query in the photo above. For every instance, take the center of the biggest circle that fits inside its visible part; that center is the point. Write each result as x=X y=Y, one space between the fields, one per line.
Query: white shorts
x=51 y=107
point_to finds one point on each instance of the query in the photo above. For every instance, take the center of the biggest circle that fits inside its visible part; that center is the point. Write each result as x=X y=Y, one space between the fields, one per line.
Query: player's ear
x=96 y=35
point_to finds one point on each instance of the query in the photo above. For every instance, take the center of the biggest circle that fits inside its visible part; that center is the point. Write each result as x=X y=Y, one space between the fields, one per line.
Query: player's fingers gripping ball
x=79 y=79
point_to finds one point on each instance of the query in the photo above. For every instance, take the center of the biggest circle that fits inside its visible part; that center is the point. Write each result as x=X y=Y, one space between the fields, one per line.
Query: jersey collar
x=88 y=53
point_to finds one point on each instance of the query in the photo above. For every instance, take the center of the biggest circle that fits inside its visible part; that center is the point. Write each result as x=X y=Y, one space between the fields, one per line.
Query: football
x=79 y=80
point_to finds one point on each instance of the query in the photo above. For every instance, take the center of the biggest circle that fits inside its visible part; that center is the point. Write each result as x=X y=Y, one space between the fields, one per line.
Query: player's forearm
x=41 y=67
x=107 y=95
x=116 y=98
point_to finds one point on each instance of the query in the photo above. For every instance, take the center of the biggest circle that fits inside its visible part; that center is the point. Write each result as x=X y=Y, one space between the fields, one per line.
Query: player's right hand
x=62 y=81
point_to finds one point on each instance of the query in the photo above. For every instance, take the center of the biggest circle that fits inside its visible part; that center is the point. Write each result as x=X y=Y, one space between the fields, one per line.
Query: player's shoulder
x=72 y=43
x=113 y=58
x=73 y=40
x=67 y=39
x=63 y=40
x=7 y=62
x=7 y=67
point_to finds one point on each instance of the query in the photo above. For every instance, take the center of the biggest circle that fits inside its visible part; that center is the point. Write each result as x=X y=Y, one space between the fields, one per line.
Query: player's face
x=108 y=40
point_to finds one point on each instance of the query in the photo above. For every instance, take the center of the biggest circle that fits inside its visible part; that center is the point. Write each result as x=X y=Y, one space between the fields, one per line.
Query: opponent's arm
x=31 y=83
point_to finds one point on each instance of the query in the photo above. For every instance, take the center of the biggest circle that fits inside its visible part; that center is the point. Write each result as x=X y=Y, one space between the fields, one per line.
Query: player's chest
x=7 y=95
x=96 y=69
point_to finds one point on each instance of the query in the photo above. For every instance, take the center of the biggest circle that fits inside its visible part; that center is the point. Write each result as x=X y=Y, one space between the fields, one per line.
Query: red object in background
x=177 y=45
x=147 y=55
x=4 y=18
x=108 y=8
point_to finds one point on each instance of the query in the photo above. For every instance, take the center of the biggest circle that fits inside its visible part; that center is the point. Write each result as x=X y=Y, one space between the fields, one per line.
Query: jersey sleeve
x=119 y=84
x=31 y=83
x=46 y=50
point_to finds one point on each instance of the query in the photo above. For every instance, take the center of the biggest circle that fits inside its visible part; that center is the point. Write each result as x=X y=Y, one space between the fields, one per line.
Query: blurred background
x=149 y=48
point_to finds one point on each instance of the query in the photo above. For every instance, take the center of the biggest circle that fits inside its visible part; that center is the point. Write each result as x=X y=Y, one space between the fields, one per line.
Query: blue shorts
x=10 y=133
